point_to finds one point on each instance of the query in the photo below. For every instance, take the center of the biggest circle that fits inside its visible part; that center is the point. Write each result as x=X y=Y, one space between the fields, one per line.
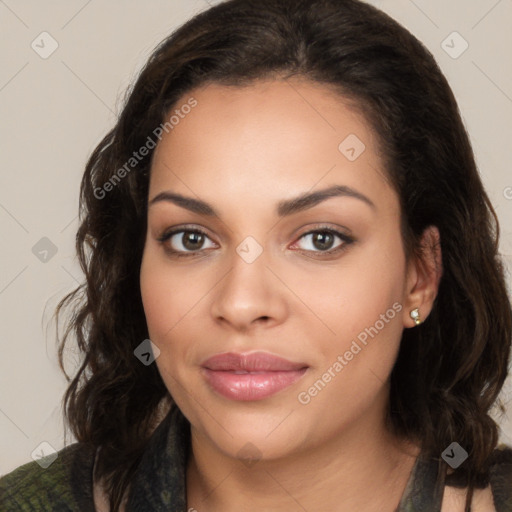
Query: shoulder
x=66 y=484
x=496 y=497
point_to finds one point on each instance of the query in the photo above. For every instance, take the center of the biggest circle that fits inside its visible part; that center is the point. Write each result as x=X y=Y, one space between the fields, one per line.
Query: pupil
x=322 y=240
x=192 y=240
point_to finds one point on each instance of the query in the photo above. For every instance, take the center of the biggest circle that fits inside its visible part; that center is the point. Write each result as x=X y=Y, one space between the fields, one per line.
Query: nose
x=250 y=294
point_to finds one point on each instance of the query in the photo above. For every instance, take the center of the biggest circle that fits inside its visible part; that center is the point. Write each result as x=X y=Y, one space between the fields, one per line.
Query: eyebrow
x=284 y=208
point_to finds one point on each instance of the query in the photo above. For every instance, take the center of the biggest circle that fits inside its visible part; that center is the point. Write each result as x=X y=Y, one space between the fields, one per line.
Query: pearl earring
x=415 y=315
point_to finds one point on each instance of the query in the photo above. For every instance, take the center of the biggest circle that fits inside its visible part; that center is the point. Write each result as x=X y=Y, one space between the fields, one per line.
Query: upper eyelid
x=193 y=227
x=174 y=231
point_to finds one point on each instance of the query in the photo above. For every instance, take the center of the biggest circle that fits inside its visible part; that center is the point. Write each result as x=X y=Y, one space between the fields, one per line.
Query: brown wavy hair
x=449 y=370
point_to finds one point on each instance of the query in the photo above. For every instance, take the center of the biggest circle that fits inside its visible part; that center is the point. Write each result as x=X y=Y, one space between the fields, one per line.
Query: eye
x=185 y=242
x=323 y=240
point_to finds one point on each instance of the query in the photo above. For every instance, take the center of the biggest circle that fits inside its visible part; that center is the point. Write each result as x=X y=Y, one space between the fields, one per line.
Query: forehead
x=269 y=137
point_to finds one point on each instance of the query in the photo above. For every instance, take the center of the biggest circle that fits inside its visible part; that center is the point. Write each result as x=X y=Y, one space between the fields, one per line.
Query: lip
x=253 y=376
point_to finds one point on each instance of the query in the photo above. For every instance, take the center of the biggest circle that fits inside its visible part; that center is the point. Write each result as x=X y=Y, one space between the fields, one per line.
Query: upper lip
x=253 y=362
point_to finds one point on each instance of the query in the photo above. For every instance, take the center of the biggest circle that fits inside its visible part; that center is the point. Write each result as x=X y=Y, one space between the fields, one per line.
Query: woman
x=293 y=297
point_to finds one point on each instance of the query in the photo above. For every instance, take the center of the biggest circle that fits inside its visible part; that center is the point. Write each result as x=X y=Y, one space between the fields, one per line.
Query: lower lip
x=251 y=386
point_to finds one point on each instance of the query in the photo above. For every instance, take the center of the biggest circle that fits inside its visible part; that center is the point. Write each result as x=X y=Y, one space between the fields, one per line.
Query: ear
x=424 y=273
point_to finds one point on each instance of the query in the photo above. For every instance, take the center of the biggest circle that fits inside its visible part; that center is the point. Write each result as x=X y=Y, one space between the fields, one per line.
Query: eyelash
x=167 y=235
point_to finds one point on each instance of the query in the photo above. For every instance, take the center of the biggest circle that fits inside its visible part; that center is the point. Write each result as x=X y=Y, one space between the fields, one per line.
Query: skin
x=454 y=500
x=243 y=150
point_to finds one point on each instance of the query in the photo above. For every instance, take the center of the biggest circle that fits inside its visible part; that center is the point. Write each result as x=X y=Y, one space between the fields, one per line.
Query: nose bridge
x=249 y=290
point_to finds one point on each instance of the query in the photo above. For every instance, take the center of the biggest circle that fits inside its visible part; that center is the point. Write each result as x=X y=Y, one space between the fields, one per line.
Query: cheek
x=152 y=293
x=364 y=309
x=172 y=306
x=158 y=290
x=165 y=311
x=363 y=287
x=377 y=281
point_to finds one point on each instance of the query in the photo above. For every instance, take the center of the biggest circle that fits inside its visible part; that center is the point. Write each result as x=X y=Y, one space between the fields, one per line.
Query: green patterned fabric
x=65 y=485
x=159 y=484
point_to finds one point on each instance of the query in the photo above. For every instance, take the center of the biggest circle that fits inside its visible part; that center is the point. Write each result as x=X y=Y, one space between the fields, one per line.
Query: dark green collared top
x=159 y=483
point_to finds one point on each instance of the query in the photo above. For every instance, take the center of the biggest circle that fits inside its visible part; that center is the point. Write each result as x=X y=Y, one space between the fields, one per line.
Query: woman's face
x=282 y=269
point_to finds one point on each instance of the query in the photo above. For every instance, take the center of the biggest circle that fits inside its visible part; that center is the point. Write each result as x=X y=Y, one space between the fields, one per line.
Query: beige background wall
x=55 y=110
